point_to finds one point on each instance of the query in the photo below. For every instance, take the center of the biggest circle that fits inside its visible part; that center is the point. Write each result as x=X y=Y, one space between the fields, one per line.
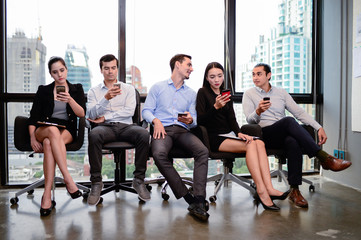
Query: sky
x=156 y=30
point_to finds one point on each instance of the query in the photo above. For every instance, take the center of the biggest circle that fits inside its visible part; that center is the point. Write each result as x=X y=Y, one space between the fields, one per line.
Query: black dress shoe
x=258 y=200
x=282 y=197
x=46 y=211
x=198 y=210
x=75 y=194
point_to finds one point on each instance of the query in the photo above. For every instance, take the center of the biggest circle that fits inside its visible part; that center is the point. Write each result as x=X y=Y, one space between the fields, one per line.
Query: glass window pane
x=154 y=37
x=34 y=34
x=81 y=34
x=284 y=25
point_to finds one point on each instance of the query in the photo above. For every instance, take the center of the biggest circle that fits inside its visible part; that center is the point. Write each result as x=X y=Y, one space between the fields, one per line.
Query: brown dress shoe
x=335 y=164
x=296 y=197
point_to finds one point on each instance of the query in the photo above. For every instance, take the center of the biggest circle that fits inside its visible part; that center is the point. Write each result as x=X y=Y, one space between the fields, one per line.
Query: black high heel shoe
x=75 y=194
x=258 y=200
x=46 y=211
x=282 y=197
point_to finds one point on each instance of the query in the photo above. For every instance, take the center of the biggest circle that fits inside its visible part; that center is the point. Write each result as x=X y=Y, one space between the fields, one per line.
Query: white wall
x=336 y=74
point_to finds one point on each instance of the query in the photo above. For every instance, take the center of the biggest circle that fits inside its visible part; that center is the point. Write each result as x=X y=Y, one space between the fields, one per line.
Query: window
x=82 y=37
x=33 y=36
x=278 y=27
x=150 y=48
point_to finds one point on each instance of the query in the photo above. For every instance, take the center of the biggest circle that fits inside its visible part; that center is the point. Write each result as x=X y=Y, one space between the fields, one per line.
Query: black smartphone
x=266 y=98
x=60 y=89
x=226 y=92
x=182 y=115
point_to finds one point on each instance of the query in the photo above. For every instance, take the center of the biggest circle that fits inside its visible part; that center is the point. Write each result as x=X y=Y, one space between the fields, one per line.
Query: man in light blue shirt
x=164 y=102
x=110 y=109
x=279 y=131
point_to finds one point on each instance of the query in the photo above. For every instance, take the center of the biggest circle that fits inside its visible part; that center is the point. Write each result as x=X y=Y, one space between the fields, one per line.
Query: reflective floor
x=334 y=213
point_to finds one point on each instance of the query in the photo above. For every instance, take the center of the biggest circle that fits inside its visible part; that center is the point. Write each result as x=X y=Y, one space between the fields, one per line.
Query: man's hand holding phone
x=113 y=91
x=263 y=105
x=185 y=118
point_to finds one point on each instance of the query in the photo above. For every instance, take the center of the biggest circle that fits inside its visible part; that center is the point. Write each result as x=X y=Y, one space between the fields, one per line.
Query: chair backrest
x=137 y=115
x=22 y=138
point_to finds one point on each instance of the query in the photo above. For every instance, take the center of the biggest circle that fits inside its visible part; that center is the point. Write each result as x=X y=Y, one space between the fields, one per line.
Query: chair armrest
x=252 y=130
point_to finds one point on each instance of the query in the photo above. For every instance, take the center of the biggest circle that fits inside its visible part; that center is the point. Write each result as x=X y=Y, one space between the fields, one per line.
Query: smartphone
x=226 y=92
x=266 y=98
x=116 y=85
x=60 y=89
x=182 y=115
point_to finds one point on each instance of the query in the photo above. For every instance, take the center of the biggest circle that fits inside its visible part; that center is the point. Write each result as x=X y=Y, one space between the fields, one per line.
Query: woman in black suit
x=60 y=103
x=215 y=112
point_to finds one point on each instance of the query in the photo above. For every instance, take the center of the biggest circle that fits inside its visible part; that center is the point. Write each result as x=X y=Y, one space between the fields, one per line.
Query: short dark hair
x=265 y=66
x=209 y=67
x=177 y=58
x=107 y=58
x=55 y=59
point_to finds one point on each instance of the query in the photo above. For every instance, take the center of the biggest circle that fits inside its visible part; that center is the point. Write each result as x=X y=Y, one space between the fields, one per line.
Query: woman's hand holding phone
x=222 y=100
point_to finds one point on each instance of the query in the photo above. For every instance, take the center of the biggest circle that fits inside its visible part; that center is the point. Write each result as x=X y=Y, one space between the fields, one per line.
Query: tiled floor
x=334 y=213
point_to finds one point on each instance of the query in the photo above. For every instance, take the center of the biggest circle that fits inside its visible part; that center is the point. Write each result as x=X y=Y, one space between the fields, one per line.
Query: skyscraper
x=288 y=51
x=76 y=60
x=25 y=68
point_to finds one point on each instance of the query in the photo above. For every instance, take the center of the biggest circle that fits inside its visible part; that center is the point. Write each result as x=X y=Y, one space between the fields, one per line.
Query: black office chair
x=22 y=143
x=280 y=155
x=118 y=149
x=228 y=159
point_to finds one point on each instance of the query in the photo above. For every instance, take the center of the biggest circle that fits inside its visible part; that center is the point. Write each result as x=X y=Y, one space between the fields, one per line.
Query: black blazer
x=43 y=105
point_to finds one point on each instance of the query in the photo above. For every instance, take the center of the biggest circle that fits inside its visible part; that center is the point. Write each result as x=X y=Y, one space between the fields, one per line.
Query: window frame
x=315 y=97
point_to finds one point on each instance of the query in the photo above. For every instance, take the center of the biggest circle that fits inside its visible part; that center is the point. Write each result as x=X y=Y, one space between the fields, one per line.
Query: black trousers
x=104 y=133
x=291 y=136
x=187 y=141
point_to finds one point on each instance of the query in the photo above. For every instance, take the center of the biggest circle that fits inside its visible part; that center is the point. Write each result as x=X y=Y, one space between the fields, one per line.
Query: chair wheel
x=213 y=198
x=148 y=187
x=165 y=196
x=30 y=191
x=206 y=205
x=85 y=195
x=311 y=188
x=14 y=200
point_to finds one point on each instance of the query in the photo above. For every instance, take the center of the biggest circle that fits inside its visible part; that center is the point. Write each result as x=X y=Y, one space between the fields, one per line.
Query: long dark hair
x=209 y=67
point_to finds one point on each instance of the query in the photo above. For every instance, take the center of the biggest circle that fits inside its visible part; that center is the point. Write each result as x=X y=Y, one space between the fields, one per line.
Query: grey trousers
x=183 y=139
x=104 y=133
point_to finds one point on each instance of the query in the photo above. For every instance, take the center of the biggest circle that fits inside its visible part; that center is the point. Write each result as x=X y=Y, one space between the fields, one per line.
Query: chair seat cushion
x=118 y=145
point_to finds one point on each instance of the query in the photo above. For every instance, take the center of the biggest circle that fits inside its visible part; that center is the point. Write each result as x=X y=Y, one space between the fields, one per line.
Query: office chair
x=228 y=159
x=22 y=143
x=118 y=149
x=280 y=155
